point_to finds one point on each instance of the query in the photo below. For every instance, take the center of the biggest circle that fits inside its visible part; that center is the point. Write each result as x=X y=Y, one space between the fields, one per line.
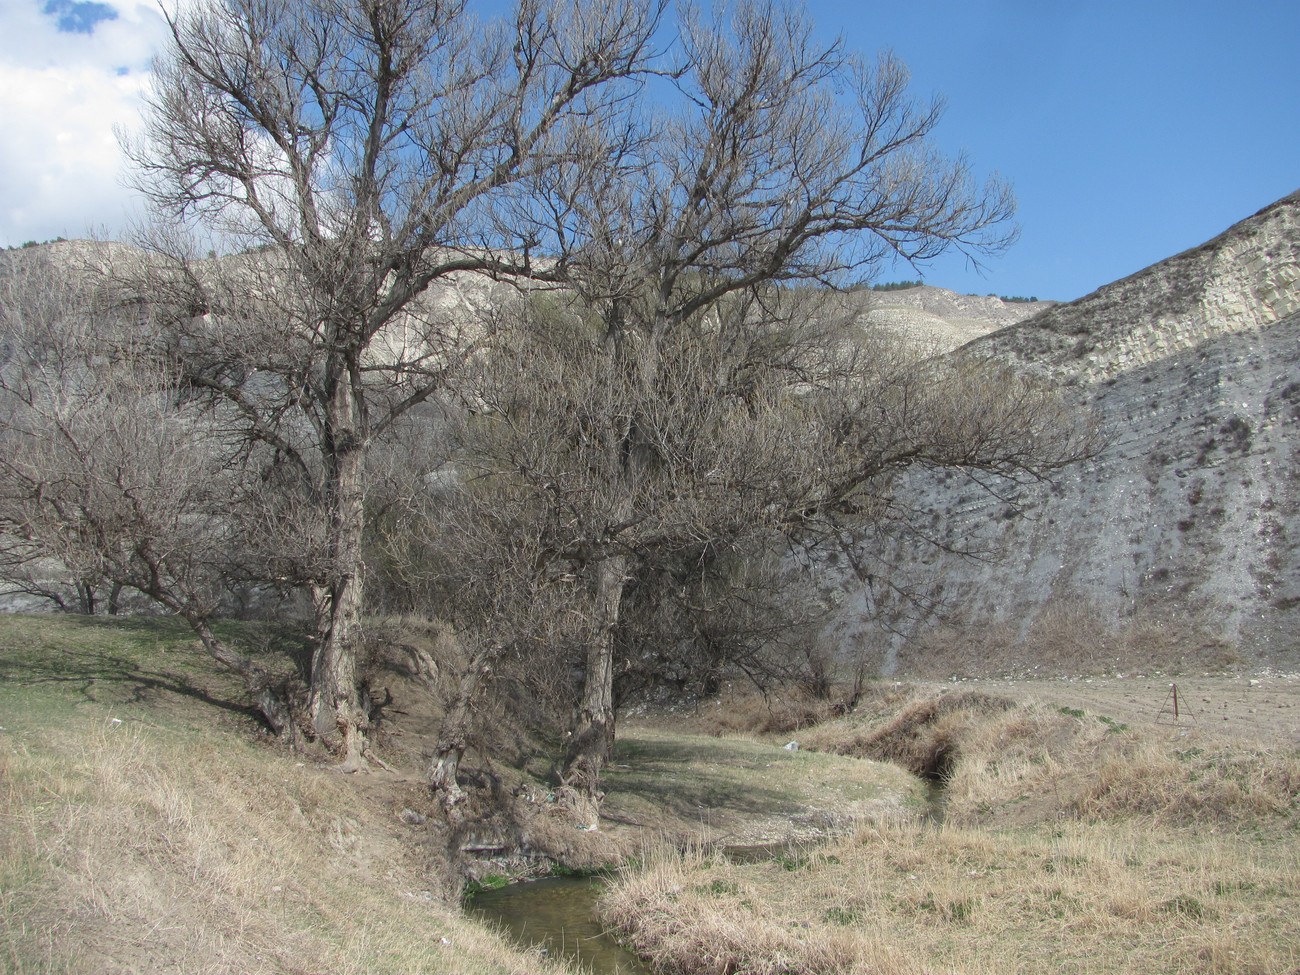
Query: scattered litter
x=115 y=721
x=792 y=746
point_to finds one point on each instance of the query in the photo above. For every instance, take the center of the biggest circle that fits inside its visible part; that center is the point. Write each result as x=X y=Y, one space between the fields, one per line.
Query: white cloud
x=60 y=163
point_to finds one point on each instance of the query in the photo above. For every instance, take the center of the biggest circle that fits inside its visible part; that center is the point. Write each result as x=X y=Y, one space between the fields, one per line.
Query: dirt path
x=1264 y=707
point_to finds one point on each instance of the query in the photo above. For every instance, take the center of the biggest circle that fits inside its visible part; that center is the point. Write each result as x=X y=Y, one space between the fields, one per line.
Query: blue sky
x=1130 y=130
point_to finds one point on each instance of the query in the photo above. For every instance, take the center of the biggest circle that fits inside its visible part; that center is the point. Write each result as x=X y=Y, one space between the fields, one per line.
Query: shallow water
x=558 y=914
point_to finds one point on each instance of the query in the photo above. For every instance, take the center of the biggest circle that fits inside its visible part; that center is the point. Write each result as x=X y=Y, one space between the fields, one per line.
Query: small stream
x=558 y=915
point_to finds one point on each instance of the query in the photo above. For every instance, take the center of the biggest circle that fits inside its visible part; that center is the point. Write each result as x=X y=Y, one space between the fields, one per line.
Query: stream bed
x=558 y=914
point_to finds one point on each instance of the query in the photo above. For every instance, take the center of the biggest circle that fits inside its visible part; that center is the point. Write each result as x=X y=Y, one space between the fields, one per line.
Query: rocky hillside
x=1176 y=547
x=1241 y=281
x=938 y=318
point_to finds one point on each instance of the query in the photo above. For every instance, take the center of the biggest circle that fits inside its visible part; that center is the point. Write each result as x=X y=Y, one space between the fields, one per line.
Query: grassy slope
x=734 y=791
x=145 y=828
x=146 y=825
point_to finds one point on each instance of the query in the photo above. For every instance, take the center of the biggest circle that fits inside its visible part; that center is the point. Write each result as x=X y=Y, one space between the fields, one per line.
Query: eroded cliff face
x=1176 y=547
x=940 y=319
x=1241 y=281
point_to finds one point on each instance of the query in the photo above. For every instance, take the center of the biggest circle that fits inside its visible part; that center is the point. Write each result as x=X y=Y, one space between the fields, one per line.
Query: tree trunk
x=457 y=725
x=592 y=741
x=334 y=701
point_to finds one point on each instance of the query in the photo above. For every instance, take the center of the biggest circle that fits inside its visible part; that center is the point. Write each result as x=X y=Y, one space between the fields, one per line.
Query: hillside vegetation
x=150 y=824
x=148 y=827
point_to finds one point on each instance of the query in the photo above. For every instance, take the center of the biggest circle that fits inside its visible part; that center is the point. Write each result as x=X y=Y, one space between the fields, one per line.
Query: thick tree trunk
x=453 y=736
x=334 y=701
x=592 y=741
x=591 y=744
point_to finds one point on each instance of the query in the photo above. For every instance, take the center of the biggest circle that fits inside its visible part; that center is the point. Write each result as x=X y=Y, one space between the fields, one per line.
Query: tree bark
x=453 y=736
x=334 y=701
x=592 y=741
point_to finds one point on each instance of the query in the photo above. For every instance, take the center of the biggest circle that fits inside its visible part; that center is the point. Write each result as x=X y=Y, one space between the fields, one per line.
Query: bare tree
x=358 y=152
x=771 y=419
x=783 y=160
x=696 y=401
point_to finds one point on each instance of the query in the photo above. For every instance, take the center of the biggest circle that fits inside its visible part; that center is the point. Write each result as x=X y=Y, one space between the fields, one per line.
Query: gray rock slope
x=1176 y=547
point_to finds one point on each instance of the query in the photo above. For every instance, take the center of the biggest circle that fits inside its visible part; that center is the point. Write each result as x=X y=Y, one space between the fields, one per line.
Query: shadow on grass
x=141 y=659
x=685 y=777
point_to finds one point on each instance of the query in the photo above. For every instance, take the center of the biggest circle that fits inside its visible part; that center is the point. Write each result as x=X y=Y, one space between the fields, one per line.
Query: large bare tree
x=696 y=401
x=769 y=422
x=357 y=153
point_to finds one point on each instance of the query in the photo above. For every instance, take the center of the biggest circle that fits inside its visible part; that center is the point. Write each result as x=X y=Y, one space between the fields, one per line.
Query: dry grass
x=1073 y=899
x=135 y=848
x=1072 y=844
x=147 y=834
x=734 y=791
x=1015 y=762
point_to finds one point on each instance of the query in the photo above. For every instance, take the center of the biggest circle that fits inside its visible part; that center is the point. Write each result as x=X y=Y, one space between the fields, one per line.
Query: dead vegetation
x=146 y=827
x=131 y=846
x=1072 y=898
x=1067 y=638
x=1071 y=842
x=141 y=833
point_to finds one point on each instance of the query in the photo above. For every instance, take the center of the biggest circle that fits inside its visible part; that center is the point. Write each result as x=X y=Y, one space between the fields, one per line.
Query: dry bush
x=1067 y=637
x=741 y=709
x=1189 y=785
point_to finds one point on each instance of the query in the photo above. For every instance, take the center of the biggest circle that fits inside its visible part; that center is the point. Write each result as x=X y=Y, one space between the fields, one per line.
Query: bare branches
x=782 y=159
